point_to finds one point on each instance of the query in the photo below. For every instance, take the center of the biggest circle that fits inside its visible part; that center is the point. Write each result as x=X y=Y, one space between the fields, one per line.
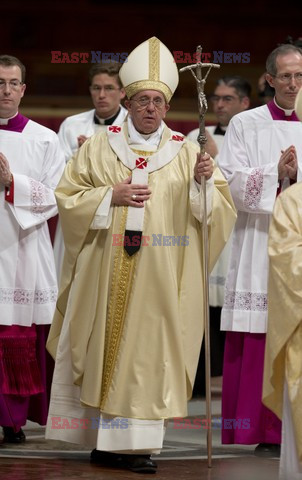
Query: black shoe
x=268 y=450
x=139 y=463
x=10 y=436
x=105 y=458
x=135 y=463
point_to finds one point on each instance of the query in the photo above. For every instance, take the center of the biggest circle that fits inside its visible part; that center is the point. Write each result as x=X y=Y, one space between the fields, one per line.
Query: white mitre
x=298 y=105
x=150 y=66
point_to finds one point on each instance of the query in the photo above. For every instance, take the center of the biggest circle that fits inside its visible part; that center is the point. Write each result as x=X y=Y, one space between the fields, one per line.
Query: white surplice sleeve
x=68 y=140
x=34 y=199
x=103 y=214
x=250 y=168
x=71 y=128
x=196 y=199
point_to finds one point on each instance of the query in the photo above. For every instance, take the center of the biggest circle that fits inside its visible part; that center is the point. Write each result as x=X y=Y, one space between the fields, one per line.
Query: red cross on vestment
x=114 y=129
x=141 y=163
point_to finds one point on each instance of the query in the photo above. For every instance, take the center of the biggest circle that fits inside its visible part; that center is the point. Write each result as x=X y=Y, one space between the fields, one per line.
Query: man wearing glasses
x=260 y=157
x=231 y=96
x=106 y=93
x=129 y=325
x=31 y=164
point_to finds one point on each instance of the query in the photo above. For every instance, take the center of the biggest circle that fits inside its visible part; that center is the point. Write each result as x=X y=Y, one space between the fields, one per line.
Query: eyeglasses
x=107 y=89
x=13 y=84
x=287 y=77
x=143 y=102
x=224 y=98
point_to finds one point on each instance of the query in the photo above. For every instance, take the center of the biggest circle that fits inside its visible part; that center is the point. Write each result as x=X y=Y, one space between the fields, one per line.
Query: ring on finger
x=133 y=197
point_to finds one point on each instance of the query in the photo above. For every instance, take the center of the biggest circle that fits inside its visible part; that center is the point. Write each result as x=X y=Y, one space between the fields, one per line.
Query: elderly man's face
x=147 y=109
x=11 y=90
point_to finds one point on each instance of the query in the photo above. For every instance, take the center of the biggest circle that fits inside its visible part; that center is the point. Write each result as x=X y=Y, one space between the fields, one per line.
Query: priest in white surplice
x=231 y=96
x=261 y=156
x=31 y=164
x=106 y=93
x=128 y=324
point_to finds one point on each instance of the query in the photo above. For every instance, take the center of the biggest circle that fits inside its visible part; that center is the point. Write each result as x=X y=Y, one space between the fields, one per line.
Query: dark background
x=31 y=30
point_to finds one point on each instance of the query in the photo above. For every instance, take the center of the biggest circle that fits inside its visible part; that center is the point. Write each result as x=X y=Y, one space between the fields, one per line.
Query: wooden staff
x=196 y=71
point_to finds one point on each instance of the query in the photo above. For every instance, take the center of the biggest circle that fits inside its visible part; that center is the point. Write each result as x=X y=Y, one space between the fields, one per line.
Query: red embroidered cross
x=114 y=129
x=178 y=138
x=141 y=163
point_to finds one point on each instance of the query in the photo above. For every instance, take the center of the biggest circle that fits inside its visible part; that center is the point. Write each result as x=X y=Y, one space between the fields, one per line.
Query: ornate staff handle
x=202 y=100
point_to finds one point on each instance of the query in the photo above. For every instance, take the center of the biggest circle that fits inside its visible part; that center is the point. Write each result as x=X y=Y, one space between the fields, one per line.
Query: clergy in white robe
x=218 y=274
x=87 y=124
x=31 y=164
x=129 y=324
x=231 y=96
x=106 y=94
x=216 y=287
x=261 y=156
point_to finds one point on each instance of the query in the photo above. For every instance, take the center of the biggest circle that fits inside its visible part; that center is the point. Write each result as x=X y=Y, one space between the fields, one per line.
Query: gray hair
x=271 y=66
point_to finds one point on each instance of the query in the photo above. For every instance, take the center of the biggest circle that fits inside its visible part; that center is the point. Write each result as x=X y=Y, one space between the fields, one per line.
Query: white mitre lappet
x=150 y=66
x=298 y=105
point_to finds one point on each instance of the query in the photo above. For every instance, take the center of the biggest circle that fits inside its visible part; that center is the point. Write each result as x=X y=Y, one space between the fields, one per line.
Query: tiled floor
x=183 y=457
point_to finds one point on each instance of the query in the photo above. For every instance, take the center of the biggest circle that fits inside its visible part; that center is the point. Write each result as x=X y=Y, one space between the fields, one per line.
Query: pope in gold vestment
x=135 y=323
x=283 y=355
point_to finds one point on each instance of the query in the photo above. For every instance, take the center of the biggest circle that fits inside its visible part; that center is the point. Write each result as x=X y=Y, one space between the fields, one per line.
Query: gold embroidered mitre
x=150 y=66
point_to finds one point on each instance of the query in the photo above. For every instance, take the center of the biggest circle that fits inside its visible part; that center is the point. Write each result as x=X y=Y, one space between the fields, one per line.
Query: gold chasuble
x=283 y=352
x=135 y=322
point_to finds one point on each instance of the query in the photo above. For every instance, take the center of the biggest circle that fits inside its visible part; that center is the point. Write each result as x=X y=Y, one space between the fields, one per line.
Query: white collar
x=134 y=137
x=287 y=112
x=4 y=121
